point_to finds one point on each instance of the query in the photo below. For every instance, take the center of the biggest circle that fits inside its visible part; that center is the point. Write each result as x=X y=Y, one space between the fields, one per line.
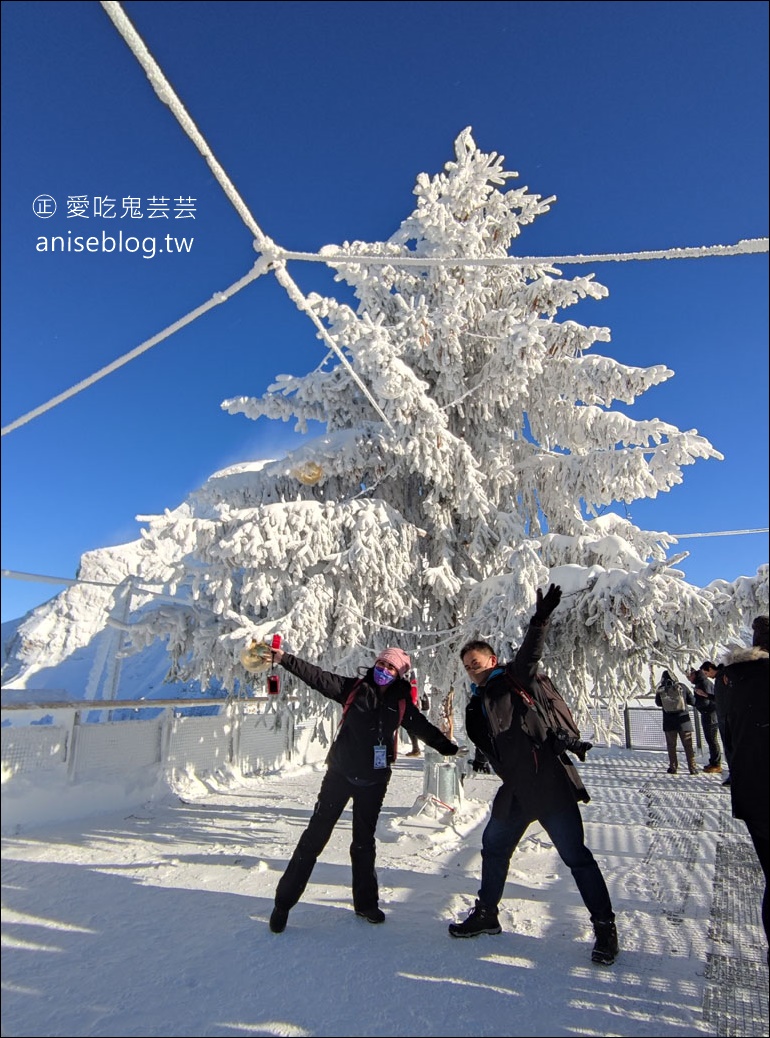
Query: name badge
x=380 y=757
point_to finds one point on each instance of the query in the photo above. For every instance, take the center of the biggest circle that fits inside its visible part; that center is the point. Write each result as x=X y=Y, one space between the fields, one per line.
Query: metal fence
x=249 y=736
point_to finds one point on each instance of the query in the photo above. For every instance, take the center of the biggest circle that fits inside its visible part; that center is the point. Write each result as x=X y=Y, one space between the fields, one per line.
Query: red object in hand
x=273 y=685
x=276 y=642
x=413 y=690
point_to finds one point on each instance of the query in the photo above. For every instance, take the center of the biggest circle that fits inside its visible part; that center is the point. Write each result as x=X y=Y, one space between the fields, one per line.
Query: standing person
x=720 y=703
x=705 y=704
x=744 y=675
x=539 y=783
x=674 y=698
x=374 y=706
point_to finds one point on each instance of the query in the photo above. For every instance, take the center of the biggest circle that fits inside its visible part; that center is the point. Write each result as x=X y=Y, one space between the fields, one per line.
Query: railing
x=250 y=736
x=64 y=759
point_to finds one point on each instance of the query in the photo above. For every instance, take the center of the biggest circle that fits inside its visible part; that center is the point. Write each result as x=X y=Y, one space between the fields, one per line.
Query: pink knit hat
x=396 y=658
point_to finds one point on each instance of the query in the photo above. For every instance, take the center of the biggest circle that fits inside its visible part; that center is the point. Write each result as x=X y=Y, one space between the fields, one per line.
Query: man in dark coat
x=744 y=680
x=705 y=704
x=539 y=782
x=711 y=671
x=374 y=706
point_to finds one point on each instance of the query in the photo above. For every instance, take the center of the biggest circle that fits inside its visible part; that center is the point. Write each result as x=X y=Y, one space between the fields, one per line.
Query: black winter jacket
x=535 y=776
x=743 y=685
x=371 y=720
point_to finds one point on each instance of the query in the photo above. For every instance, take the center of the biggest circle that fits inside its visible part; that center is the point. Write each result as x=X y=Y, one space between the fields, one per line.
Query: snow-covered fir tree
x=473 y=442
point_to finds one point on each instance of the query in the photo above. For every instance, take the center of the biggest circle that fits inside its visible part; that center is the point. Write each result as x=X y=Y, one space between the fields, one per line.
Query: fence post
x=234 y=713
x=627 y=726
x=72 y=747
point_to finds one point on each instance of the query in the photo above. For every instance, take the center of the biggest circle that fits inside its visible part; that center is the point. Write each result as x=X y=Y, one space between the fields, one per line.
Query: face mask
x=383 y=677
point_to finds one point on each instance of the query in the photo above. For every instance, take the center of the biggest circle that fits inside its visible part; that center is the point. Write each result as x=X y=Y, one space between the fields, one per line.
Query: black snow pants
x=335 y=792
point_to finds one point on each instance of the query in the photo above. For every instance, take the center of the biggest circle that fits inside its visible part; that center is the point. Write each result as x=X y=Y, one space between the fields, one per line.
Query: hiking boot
x=606 y=946
x=713 y=769
x=278 y=919
x=371 y=915
x=412 y=753
x=480 y=920
x=672 y=771
x=693 y=768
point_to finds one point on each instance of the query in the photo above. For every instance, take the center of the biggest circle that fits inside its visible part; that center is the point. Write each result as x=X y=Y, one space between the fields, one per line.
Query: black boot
x=606 y=946
x=480 y=920
x=371 y=915
x=278 y=919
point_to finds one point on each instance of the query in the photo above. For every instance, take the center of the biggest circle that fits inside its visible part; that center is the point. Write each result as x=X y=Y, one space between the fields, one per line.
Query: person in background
x=675 y=699
x=744 y=677
x=720 y=704
x=705 y=704
x=374 y=705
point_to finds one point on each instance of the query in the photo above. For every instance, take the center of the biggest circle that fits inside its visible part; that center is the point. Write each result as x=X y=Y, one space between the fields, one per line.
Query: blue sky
x=648 y=121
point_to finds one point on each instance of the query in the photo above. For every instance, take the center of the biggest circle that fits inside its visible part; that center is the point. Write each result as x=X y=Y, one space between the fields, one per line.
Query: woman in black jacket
x=374 y=706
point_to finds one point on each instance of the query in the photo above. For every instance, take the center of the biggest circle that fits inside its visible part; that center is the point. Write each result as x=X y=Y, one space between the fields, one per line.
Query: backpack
x=672 y=697
x=548 y=719
x=548 y=712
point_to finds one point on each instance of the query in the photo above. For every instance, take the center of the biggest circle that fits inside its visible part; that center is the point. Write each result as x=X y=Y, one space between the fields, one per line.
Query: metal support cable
x=262 y=242
x=169 y=97
x=745 y=246
x=259 y=268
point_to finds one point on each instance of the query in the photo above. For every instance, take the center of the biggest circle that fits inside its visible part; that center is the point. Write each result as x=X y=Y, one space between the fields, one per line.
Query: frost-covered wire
x=743 y=247
x=297 y=297
x=262 y=242
x=169 y=97
x=720 y=533
x=259 y=268
x=13 y=574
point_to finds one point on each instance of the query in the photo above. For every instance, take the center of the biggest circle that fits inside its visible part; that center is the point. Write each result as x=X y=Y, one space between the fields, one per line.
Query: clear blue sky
x=648 y=121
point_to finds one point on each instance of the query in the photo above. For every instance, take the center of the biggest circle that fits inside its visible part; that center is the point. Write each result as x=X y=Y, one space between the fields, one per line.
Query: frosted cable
x=168 y=96
x=39 y=578
x=295 y=294
x=745 y=246
x=13 y=574
x=256 y=271
x=720 y=533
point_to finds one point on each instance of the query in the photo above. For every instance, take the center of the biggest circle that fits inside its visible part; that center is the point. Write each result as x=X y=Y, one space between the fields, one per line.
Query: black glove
x=546 y=603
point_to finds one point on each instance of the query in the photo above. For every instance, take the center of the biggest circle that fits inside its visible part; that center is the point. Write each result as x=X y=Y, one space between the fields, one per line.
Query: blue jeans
x=564 y=825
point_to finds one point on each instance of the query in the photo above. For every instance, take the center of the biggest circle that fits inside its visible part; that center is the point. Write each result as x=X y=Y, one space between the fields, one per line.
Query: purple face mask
x=383 y=677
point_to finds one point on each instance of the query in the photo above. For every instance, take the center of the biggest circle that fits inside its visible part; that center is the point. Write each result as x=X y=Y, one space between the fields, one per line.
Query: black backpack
x=548 y=713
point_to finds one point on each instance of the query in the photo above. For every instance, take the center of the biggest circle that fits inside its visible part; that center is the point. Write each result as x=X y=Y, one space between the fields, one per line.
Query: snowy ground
x=155 y=923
